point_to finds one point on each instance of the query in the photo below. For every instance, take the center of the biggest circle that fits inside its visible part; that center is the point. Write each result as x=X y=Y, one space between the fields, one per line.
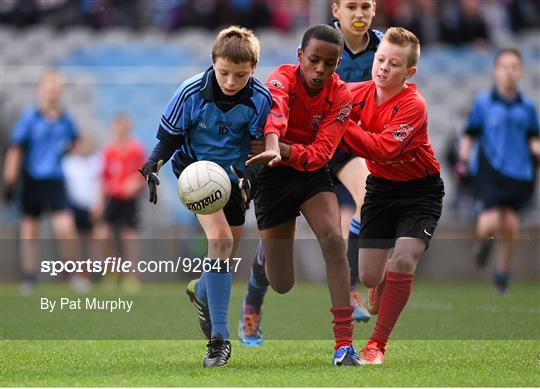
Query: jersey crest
x=402 y=132
x=344 y=112
x=316 y=122
x=277 y=84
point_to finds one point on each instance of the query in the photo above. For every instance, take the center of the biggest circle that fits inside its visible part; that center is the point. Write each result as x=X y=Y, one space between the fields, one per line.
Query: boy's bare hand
x=270 y=157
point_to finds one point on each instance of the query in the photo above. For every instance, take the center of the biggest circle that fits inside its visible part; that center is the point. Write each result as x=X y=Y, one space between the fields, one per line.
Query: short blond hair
x=51 y=75
x=404 y=38
x=237 y=44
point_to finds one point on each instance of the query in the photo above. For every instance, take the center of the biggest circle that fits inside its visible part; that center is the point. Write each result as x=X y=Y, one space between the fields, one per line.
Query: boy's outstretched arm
x=271 y=155
x=407 y=131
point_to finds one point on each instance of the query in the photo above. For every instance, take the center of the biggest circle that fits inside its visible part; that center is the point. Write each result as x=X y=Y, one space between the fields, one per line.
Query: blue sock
x=352 y=249
x=258 y=283
x=218 y=289
x=255 y=295
x=501 y=281
x=200 y=289
x=31 y=278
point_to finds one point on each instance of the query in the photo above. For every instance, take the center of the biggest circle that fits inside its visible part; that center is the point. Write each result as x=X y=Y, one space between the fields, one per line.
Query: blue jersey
x=215 y=127
x=44 y=142
x=357 y=67
x=503 y=129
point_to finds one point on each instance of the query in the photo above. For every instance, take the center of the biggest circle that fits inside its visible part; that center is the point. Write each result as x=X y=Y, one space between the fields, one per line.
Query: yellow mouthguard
x=359 y=24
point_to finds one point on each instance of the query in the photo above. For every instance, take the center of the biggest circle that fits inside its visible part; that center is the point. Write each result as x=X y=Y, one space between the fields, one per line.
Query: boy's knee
x=403 y=263
x=333 y=245
x=370 y=280
x=282 y=288
x=221 y=241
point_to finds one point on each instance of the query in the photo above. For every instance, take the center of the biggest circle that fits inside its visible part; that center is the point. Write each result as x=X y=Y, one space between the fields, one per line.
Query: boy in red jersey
x=404 y=191
x=349 y=172
x=306 y=122
x=122 y=187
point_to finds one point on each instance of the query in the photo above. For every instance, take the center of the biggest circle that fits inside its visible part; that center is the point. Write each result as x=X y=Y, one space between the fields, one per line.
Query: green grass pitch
x=451 y=334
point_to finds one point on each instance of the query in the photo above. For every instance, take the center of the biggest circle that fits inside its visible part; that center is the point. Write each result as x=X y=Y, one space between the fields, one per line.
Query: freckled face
x=390 y=66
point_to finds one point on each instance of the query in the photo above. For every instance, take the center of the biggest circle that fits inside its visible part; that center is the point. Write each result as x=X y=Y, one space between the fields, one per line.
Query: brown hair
x=508 y=50
x=237 y=44
x=404 y=38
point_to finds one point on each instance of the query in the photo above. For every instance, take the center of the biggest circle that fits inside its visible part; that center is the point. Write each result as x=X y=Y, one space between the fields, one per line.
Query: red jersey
x=120 y=169
x=392 y=137
x=312 y=125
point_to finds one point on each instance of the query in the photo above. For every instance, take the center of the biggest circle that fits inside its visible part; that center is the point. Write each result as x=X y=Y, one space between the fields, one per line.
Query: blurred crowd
x=460 y=21
x=169 y=15
x=453 y=22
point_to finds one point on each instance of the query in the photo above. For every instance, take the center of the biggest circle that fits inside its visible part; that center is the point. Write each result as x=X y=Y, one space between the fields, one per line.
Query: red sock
x=343 y=328
x=394 y=298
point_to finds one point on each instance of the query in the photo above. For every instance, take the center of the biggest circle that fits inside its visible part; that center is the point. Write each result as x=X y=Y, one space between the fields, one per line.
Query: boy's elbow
x=321 y=160
x=382 y=155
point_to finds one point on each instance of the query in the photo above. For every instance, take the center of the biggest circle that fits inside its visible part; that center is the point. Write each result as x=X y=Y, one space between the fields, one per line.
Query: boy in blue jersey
x=214 y=116
x=40 y=140
x=504 y=124
x=353 y=21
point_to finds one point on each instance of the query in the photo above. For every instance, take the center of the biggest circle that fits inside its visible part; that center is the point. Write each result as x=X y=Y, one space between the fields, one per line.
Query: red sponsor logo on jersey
x=402 y=132
x=344 y=112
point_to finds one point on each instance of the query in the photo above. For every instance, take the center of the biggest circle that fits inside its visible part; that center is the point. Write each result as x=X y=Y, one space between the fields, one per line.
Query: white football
x=204 y=187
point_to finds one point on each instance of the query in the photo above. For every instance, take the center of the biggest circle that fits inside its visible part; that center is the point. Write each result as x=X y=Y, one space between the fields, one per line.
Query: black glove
x=150 y=173
x=244 y=184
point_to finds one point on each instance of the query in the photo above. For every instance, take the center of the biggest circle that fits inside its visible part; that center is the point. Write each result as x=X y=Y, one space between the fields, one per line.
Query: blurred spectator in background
x=82 y=168
x=288 y=15
x=39 y=142
x=122 y=185
x=19 y=12
x=523 y=14
x=504 y=124
x=419 y=16
x=212 y=14
x=464 y=24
